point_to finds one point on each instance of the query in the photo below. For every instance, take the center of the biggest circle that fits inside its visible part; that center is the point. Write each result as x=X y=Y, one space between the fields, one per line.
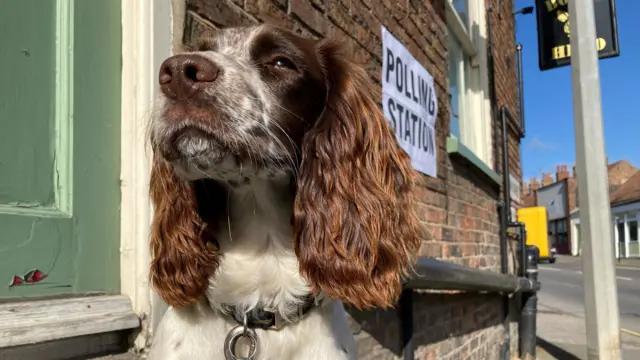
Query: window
x=558 y=232
x=470 y=116
x=632 y=227
x=462 y=8
x=621 y=232
x=457 y=63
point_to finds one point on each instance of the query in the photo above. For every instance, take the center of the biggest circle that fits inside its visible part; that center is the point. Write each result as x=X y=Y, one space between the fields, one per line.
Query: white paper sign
x=409 y=103
x=514 y=186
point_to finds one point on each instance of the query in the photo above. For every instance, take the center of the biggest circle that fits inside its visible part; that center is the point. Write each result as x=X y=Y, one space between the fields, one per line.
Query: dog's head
x=261 y=102
x=244 y=97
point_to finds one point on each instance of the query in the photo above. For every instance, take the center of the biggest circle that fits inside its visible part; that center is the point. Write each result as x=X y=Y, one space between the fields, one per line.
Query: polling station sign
x=409 y=103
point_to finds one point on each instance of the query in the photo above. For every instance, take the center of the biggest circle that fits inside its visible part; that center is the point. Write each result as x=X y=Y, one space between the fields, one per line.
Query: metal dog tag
x=232 y=338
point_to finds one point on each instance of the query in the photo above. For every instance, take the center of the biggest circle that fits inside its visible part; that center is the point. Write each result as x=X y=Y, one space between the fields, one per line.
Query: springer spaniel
x=280 y=193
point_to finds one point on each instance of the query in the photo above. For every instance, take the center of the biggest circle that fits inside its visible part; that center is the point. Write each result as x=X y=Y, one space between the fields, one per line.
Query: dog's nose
x=183 y=75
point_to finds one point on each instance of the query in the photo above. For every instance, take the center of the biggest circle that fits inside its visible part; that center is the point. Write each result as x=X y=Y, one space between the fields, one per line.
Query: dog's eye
x=282 y=63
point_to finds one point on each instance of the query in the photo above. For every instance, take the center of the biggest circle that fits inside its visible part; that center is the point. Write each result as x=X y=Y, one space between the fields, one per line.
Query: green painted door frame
x=59 y=147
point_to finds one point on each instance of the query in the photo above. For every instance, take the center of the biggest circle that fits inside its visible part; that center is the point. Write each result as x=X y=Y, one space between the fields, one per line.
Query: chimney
x=575 y=171
x=562 y=172
x=525 y=189
x=547 y=179
x=534 y=184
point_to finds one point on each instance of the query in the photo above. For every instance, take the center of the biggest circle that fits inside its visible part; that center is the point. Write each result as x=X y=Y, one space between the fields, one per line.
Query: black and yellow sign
x=554 y=32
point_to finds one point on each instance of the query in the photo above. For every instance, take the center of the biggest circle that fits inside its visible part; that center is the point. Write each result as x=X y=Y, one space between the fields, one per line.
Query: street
x=561 y=305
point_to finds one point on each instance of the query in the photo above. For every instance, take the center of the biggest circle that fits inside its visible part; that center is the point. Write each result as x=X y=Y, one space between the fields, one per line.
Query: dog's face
x=239 y=104
x=263 y=102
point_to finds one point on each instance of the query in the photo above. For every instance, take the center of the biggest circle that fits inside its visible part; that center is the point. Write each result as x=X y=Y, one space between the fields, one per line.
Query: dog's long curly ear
x=355 y=225
x=184 y=252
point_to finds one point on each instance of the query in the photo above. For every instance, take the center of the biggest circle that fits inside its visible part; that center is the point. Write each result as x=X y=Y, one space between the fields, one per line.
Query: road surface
x=562 y=288
x=561 y=308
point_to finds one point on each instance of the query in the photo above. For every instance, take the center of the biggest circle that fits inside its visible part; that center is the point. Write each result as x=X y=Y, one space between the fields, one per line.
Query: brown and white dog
x=280 y=193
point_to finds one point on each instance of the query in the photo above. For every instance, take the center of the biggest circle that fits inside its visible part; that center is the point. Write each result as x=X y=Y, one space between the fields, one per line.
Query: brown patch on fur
x=355 y=227
x=183 y=248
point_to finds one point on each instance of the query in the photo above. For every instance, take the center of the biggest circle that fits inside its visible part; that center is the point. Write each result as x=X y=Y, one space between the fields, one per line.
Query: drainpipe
x=527 y=330
x=507 y=116
x=505 y=219
x=520 y=90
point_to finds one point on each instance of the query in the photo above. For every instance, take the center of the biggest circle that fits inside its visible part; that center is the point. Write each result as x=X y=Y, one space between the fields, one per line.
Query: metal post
x=616 y=238
x=520 y=89
x=601 y=297
x=406 y=317
x=527 y=330
x=626 y=236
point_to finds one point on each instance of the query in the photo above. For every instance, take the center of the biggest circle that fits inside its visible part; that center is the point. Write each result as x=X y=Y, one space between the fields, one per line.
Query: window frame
x=474 y=120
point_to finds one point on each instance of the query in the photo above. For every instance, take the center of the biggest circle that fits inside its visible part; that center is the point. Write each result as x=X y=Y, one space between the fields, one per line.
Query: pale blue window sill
x=456 y=148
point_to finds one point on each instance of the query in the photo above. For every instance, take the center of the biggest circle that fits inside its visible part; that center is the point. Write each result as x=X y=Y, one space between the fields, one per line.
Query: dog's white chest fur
x=258 y=268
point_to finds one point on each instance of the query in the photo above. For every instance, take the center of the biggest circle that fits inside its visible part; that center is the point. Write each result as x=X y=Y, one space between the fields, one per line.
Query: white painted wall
x=623 y=213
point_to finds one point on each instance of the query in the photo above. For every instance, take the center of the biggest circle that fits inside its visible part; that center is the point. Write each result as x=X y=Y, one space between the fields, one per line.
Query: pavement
x=561 y=325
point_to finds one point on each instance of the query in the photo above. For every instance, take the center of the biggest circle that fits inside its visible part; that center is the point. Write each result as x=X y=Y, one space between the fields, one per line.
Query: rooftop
x=628 y=192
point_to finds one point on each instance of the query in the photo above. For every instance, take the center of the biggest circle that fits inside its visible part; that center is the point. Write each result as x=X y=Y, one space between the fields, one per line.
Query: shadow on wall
x=467 y=320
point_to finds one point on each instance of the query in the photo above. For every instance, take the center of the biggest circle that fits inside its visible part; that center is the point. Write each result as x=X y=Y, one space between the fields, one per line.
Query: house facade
x=559 y=195
x=74 y=169
x=625 y=216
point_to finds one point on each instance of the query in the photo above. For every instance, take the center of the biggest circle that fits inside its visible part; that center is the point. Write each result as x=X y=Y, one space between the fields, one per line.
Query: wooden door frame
x=149 y=31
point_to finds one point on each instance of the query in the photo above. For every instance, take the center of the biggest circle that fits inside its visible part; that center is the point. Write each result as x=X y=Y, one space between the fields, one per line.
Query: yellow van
x=535 y=221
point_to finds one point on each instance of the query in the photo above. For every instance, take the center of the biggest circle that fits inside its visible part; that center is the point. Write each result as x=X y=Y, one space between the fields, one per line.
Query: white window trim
x=474 y=134
x=457 y=26
x=148 y=33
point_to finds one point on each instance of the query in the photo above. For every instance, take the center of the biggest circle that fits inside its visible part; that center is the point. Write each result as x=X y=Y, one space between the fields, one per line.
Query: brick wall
x=619 y=172
x=572 y=193
x=459 y=208
x=504 y=57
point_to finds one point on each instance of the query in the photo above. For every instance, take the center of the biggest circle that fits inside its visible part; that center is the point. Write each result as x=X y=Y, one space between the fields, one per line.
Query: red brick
x=308 y=14
x=220 y=12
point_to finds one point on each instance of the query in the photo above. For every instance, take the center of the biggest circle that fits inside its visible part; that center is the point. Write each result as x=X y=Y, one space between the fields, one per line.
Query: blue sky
x=548 y=98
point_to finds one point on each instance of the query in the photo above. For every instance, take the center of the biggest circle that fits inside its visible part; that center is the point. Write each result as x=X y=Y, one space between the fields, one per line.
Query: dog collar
x=268 y=318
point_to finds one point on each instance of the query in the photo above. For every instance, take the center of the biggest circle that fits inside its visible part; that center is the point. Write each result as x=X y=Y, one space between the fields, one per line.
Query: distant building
x=619 y=173
x=625 y=214
x=560 y=197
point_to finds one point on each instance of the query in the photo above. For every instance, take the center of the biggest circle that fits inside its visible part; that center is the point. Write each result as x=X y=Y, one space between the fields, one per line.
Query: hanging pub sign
x=554 y=32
